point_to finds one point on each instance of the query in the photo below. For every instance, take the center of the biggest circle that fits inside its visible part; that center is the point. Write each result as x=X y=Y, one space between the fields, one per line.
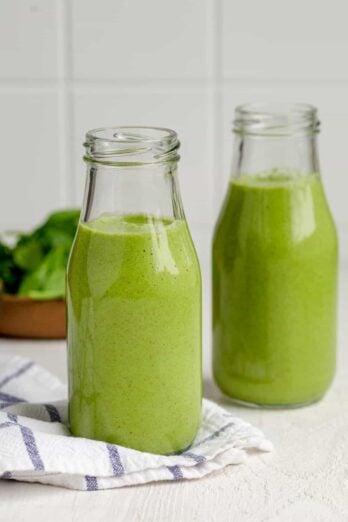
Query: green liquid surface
x=274 y=290
x=134 y=333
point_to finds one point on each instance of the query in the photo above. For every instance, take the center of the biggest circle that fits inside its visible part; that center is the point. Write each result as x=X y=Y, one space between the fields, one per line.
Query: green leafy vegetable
x=36 y=265
x=10 y=273
x=28 y=253
x=48 y=280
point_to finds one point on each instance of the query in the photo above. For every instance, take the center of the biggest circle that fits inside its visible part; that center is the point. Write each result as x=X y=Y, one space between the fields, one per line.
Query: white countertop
x=304 y=479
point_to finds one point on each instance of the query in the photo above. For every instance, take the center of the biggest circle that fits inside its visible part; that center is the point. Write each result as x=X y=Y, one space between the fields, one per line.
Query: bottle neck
x=132 y=171
x=271 y=136
x=255 y=155
x=150 y=190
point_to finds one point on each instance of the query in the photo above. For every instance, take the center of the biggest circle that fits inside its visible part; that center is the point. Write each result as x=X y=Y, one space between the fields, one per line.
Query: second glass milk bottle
x=275 y=263
x=134 y=298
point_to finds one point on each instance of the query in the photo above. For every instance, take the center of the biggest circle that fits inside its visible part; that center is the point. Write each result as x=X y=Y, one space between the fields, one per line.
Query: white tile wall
x=70 y=65
x=132 y=40
x=30 y=163
x=28 y=39
x=289 y=40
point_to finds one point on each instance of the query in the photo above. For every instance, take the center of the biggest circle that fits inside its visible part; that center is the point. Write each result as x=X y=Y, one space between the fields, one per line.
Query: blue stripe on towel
x=31 y=447
x=7 y=424
x=115 y=460
x=197 y=458
x=4 y=405
x=91 y=483
x=5 y=397
x=53 y=413
x=213 y=435
x=176 y=472
x=29 y=441
x=17 y=373
x=12 y=417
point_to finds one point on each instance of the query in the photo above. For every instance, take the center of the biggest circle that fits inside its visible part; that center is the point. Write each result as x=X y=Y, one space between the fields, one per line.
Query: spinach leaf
x=48 y=280
x=28 y=253
x=10 y=273
x=36 y=265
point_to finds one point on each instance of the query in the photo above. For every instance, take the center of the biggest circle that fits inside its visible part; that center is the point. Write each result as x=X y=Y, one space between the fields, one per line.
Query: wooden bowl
x=28 y=318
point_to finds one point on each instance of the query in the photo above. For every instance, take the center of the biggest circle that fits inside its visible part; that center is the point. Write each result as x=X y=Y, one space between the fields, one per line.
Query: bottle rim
x=131 y=145
x=276 y=119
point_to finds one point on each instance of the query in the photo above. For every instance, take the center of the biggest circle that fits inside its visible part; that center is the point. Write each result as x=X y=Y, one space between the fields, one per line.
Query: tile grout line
x=216 y=102
x=213 y=138
x=65 y=104
x=137 y=84
x=209 y=98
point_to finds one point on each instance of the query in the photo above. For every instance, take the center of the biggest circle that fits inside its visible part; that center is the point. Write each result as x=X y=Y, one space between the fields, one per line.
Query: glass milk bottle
x=275 y=263
x=134 y=298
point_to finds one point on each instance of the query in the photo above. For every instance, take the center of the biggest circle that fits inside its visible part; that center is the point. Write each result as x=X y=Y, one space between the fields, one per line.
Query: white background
x=70 y=65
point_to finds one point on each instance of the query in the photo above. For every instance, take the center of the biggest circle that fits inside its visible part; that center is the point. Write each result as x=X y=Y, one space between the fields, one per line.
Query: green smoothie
x=134 y=330
x=274 y=290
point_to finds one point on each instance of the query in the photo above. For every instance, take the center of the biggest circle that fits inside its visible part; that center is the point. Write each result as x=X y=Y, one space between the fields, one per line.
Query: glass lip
x=103 y=133
x=276 y=119
x=131 y=145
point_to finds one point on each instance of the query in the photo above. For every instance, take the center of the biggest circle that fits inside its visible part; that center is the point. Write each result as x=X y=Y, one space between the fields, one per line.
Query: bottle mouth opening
x=276 y=119
x=131 y=145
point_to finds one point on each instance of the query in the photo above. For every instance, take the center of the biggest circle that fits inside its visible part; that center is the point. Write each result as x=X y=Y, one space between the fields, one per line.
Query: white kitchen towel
x=37 y=446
